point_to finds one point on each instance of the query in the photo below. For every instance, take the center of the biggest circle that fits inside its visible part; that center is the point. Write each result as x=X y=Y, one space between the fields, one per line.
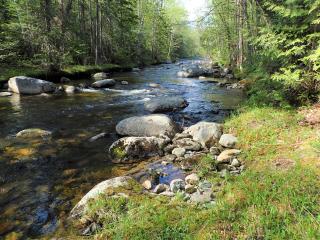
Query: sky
x=195 y=8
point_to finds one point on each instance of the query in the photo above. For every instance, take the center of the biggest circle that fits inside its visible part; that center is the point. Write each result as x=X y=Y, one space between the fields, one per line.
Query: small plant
x=316 y=145
x=206 y=165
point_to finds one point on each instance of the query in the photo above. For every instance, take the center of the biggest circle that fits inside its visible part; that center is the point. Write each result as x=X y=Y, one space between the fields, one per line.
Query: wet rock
x=131 y=149
x=165 y=104
x=161 y=188
x=65 y=80
x=154 y=85
x=192 y=179
x=227 y=155
x=33 y=133
x=95 y=138
x=70 y=89
x=136 y=69
x=207 y=133
x=190 y=189
x=105 y=187
x=228 y=141
x=147 y=126
x=176 y=185
x=104 y=83
x=30 y=86
x=5 y=94
x=124 y=83
x=179 y=152
x=188 y=144
x=100 y=76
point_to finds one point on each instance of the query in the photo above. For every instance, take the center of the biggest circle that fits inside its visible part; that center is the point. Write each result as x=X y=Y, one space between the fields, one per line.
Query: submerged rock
x=33 y=133
x=147 y=126
x=30 y=86
x=104 y=83
x=207 y=133
x=165 y=104
x=132 y=149
x=109 y=187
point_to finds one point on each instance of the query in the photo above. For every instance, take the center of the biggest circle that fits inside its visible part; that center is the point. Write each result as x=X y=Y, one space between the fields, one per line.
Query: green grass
x=268 y=201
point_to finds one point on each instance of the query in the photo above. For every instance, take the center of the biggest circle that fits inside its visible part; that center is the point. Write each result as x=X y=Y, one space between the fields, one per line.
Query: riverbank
x=277 y=197
x=73 y=72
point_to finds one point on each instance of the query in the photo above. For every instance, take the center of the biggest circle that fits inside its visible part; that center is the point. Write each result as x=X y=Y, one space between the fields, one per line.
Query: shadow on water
x=41 y=179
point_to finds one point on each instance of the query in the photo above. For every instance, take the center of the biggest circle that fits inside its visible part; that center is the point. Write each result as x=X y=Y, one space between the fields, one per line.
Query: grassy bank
x=277 y=197
x=72 y=72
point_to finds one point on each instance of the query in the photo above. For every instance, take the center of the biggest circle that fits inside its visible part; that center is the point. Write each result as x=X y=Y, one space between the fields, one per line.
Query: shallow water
x=40 y=180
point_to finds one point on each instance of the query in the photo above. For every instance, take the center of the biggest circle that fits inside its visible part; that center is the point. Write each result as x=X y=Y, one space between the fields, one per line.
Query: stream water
x=40 y=180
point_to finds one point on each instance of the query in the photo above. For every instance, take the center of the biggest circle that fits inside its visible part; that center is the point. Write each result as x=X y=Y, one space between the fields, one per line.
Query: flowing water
x=41 y=179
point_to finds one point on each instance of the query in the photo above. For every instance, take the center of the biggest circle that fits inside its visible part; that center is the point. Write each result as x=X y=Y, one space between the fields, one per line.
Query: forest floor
x=72 y=72
x=277 y=196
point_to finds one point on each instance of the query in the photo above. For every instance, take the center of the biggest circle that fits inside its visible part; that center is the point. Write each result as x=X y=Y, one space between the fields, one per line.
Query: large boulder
x=133 y=149
x=104 y=83
x=31 y=86
x=206 y=133
x=165 y=104
x=109 y=187
x=147 y=126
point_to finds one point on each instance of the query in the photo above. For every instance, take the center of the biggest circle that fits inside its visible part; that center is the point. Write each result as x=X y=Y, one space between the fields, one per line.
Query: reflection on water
x=40 y=180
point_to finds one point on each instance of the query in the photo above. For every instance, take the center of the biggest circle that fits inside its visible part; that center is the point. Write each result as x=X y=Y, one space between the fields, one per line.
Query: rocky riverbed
x=64 y=149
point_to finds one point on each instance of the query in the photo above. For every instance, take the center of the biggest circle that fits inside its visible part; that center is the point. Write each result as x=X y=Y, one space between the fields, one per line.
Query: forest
x=155 y=119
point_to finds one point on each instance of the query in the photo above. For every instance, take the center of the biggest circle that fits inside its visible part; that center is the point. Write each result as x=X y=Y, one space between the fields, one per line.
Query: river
x=40 y=181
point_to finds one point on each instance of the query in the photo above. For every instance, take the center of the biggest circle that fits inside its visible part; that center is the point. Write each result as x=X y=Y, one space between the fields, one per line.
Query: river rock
x=214 y=151
x=33 y=133
x=124 y=83
x=167 y=194
x=202 y=197
x=147 y=184
x=147 y=126
x=154 y=85
x=179 y=152
x=165 y=104
x=190 y=189
x=104 y=83
x=188 y=144
x=177 y=185
x=192 y=179
x=228 y=141
x=70 y=89
x=235 y=163
x=5 y=94
x=131 y=149
x=30 y=86
x=113 y=186
x=65 y=80
x=100 y=76
x=207 y=133
x=227 y=155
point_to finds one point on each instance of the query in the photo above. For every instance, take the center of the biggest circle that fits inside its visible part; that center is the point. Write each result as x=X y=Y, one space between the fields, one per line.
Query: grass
x=277 y=197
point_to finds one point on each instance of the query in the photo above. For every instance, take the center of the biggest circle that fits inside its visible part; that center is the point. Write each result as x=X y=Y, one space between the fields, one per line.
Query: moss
x=119 y=153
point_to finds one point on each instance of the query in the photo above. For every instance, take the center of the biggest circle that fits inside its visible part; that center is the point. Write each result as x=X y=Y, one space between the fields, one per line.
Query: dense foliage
x=277 y=39
x=56 y=33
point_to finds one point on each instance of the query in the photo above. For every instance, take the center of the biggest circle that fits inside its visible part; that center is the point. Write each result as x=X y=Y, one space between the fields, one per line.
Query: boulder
x=105 y=187
x=165 y=104
x=228 y=141
x=227 y=155
x=30 y=86
x=100 y=76
x=179 y=152
x=177 y=185
x=5 y=94
x=33 y=133
x=147 y=126
x=206 y=133
x=104 y=83
x=133 y=149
